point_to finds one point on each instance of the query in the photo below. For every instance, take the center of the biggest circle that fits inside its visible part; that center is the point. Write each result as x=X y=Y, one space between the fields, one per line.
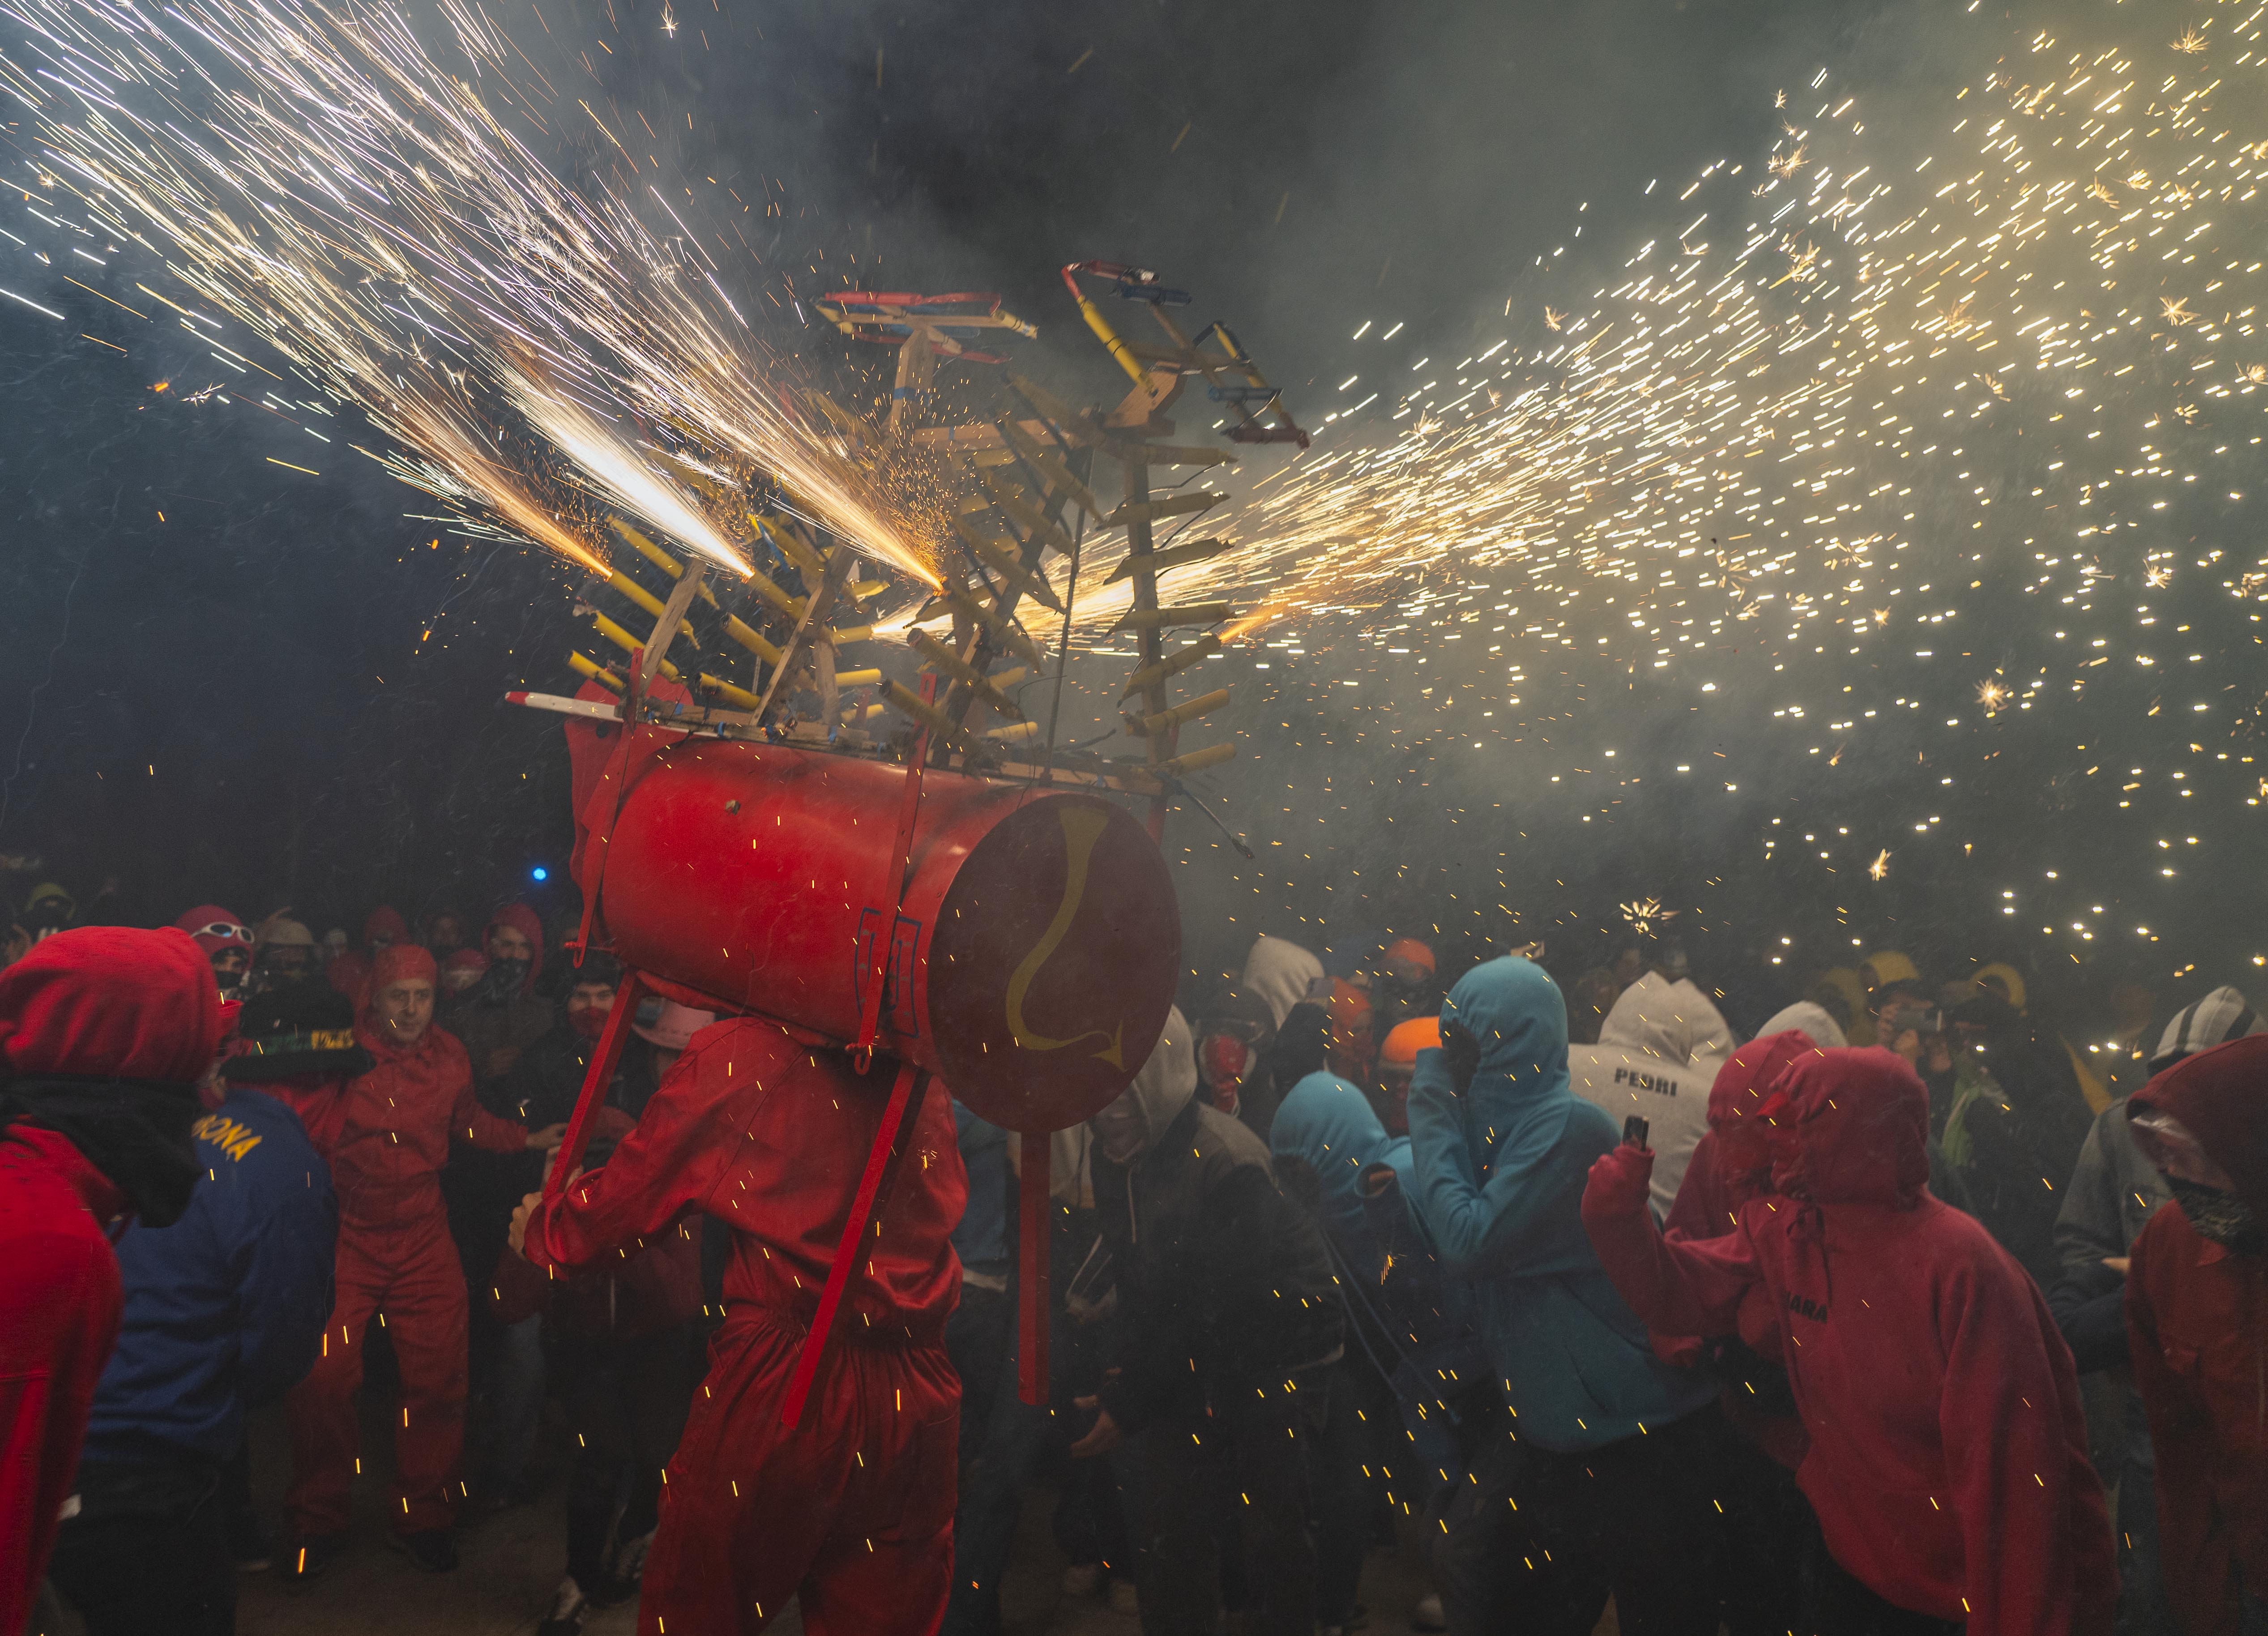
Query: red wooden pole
x=899 y=1118
x=595 y=1080
x=1036 y=1211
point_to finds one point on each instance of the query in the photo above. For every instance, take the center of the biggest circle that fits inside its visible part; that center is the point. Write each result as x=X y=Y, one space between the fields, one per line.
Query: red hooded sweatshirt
x=2196 y=1314
x=105 y=1002
x=349 y=973
x=523 y=921
x=387 y=1134
x=1949 y=1459
x=1732 y=1165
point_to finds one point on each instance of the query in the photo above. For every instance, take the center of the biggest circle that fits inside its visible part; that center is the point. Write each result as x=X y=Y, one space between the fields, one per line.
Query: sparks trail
x=314 y=174
x=1747 y=431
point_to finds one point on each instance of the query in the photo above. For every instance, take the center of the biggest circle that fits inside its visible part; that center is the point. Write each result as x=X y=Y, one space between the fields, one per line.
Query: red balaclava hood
x=385 y=922
x=2221 y=1095
x=110 y=1002
x=392 y=965
x=204 y=915
x=523 y=921
x=1743 y=1086
x=1855 y=1130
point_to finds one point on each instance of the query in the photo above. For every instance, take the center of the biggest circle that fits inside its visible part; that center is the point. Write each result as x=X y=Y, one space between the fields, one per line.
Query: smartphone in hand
x=1634 y=1131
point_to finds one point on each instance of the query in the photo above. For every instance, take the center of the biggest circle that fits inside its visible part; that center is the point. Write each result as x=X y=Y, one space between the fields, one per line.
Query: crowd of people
x=1896 y=1315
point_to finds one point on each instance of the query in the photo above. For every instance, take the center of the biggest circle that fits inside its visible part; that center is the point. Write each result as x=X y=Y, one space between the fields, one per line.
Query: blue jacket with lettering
x=225 y=1308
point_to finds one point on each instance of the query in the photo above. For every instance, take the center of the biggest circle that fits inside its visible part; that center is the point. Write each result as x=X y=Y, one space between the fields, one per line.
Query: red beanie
x=387 y=922
x=113 y=1002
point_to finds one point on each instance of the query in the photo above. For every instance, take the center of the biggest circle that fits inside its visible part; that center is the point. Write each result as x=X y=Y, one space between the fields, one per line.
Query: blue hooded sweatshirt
x=1330 y=1125
x=1499 y=1177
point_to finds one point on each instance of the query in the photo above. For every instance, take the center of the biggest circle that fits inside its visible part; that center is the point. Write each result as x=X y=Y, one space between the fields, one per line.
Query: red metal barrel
x=1033 y=957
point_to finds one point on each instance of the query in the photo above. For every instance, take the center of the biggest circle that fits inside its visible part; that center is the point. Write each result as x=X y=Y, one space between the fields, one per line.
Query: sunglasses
x=224 y=928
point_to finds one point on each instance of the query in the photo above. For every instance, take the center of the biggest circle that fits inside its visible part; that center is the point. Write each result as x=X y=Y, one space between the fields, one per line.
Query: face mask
x=590 y=1021
x=1225 y=1063
x=502 y=980
x=2221 y=1217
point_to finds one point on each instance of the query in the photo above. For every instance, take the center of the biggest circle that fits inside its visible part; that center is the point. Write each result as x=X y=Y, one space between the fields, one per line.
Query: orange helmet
x=1407 y=1040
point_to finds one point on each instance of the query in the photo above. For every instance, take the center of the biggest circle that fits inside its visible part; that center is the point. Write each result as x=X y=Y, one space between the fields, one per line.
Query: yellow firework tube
x=1196 y=760
x=1108 y=336
x=749 y=639
x=616 y=580
x=950 y=662
x=857 y=678
x=1171 y=556
x=1013 y=731
x=590 y=669
x=1203 y=647
x=1004 y=563
x=936 y=721
x=1004 y=632
x=791 y=607
x=628 y=643
x=1204 y=704
x=729 y=693
x=1185 y=613
x=840 y=634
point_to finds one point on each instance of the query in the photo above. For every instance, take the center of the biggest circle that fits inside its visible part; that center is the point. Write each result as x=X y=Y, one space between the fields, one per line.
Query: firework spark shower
x=316 y=175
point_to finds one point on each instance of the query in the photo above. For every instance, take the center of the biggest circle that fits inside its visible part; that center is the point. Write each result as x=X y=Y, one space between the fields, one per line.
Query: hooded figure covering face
x=1327 y=1131
x=1658 y=1050
x=1281 y=973
x=1947 y=1459
x=1499 y=1168
x=104 y=1034
x=2197 y=1314
x=1226 y=1317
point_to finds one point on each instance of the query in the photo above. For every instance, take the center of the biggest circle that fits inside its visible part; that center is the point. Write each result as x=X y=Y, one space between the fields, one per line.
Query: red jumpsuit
x=101 y=1002
x=386 y=1136
x=852 y=1511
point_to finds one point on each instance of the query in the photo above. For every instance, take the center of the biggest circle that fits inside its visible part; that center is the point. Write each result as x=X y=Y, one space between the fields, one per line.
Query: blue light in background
x=539 y=873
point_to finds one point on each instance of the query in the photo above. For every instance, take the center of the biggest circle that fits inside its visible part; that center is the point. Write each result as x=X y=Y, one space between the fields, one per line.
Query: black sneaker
x=305 y=1555
x=435 y=1550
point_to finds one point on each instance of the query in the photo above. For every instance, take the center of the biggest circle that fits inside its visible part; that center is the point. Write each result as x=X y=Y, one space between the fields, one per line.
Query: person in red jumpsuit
x=850 y=1511
x=386 y=1136
x=104 y=1034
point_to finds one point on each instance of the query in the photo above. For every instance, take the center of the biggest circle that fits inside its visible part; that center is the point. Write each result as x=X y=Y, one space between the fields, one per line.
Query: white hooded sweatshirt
x=1280 y=973
x=1810 y=1020
x=1658 y=1054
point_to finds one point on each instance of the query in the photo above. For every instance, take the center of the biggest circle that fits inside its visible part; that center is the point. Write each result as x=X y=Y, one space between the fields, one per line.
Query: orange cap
x=1408 y=1039
x=1410 y=949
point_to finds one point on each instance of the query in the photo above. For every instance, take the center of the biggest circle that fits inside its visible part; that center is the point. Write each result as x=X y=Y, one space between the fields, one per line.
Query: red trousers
x=410 y=1279
x=851 y=1512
